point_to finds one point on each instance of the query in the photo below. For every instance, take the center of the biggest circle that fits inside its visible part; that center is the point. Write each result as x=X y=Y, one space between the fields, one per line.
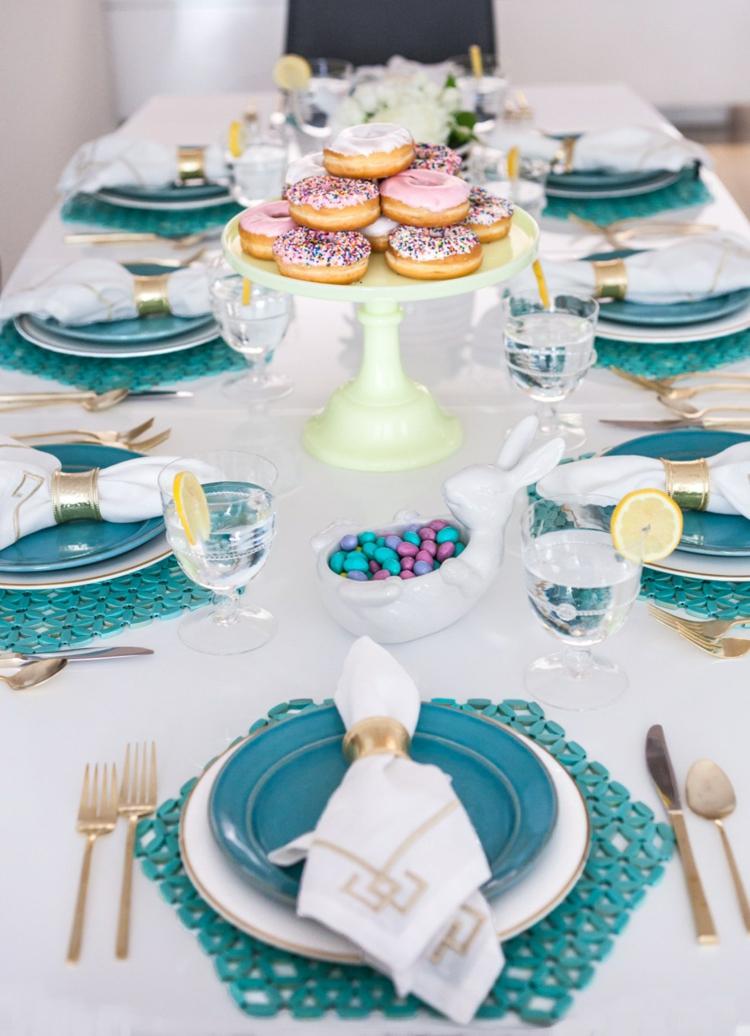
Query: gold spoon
x=34 y=673
x=710 y=794
x=91 y=401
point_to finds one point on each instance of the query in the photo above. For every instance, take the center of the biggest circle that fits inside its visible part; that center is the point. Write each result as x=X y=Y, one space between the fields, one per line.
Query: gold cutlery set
x=707 y=634
x=91 y=401
x=102 y=802
x=710 y=795
x=674 y=393
x=130 y=439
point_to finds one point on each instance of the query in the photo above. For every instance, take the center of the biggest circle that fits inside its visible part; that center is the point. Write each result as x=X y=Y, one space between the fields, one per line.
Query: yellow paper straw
x=235 y=138
x=512 y=162
x=246 y=289
x=541 y=283
x=475 y=56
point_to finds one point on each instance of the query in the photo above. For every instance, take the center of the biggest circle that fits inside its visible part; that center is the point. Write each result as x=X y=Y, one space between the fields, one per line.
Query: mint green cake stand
x=382 y=420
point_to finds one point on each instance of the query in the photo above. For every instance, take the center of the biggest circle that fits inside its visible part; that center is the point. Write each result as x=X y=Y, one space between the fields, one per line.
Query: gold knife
x=660 y=767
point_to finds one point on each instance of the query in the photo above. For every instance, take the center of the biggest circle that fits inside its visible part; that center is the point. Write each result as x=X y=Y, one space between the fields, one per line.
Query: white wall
x=54 y=94
x=675 y=52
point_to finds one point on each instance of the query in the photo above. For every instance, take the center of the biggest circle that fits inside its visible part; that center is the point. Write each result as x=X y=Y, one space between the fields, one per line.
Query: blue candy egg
x=336 y=561
x=356 y=562
x=446 y=535
x=362 y=577
x=349 y=542
x=421 y=568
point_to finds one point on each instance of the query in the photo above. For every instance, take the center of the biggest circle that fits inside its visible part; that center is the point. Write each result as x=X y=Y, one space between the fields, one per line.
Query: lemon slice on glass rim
x=191 y=507
x=292 y=72
x=646 y=525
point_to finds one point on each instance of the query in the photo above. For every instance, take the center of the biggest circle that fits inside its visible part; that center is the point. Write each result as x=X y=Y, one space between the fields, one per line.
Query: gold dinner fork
x=129 y=439
x=137 y=799
x=669 y=392
x=713 y=629
x=726 y=647
x=97 y=815
x=696 y=413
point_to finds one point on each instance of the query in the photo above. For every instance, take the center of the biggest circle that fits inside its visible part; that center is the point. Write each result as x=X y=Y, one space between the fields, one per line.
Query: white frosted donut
x=371 y=150
x=307 y=165
x=377 y=233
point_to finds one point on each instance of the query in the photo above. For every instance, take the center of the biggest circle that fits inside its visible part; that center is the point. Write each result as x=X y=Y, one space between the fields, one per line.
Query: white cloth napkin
x=610 y=478
x=128 y=492
x=90 y=290
x=120 y=161
x=394 y=863
x=697 y=268
x=624 y=149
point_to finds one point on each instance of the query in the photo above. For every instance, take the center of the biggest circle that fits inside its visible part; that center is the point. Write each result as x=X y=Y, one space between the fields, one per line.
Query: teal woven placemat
x=663 y=361
x=687 y=191
x=100 y=374
x=45 y=620
x=545 y=966
x=83 y=208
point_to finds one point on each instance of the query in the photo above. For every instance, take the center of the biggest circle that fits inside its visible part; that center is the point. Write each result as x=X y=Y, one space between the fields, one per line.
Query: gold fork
x=137 y=799
x=128 y=439
x=696 y=413
x=97 y=815
x=668 y=392
x=726 y=647
x=713 y=629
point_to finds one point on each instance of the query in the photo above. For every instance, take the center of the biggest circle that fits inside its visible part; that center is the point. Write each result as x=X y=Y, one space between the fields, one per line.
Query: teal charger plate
x=602 y=179
x=275 y=788
x=171 y=192
x=657 y=314
x=703 y=532
x=79 y=543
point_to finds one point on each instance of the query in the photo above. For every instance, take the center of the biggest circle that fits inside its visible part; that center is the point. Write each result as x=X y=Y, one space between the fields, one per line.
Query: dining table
x=657 y=977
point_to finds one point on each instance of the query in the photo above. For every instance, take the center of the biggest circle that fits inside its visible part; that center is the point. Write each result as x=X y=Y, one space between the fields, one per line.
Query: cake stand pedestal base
x=382 y=420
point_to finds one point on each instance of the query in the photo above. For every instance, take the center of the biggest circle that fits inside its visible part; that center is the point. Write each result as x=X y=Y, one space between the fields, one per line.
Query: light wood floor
x=733 y=166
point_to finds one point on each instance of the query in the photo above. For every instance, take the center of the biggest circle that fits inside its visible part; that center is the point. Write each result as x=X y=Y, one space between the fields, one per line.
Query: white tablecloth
x=657 y=978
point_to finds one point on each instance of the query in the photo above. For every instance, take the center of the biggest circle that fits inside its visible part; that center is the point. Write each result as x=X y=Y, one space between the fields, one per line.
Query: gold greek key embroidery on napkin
x=37 y=481
x=453 y=940
x=378 y=888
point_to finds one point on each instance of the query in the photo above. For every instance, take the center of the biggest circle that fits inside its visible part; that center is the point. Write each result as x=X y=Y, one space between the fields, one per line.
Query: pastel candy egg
x=356 y=562
x=368 y=549
x=356 y=574
x=428 y=547
x=336 y=561
x=392 y=565
x=366 y=537
x=445 y=550
x=447 y=534
x=407 y=564
x=349 y=542
x=412 y=537
x=437 y=524
x=392 y=541
x=423 y=555
x=406 y=574
x=380 y=541
x=460 y=548
x=383 y=554
x=427 y=533
x=421 y=568
x=374 y=567
x=407 y=549
x=382 y=574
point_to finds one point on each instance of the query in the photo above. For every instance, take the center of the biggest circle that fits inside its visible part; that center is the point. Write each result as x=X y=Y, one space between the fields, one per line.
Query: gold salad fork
x=97 y=815
x=668 y=392
x=711 y=628
x=719 y=647
x=137 y=799
x=129 y=439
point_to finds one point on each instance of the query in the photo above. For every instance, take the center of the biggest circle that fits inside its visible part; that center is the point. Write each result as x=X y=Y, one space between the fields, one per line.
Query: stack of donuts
x=374 y=189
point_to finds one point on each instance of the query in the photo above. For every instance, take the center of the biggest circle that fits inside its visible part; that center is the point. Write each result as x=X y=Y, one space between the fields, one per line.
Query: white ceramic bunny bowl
x=480 y=500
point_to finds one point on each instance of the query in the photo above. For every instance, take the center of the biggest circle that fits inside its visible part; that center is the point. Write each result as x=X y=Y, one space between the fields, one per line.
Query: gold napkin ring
x=75 y=495
x=687 y=482
x=190 y=163
x=376 y=735
x=611 y=278
x=565 y=154
x=151 y=295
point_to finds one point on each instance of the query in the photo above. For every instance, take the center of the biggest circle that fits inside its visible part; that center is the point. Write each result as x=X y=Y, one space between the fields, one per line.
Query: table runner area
x=84 y=208
x=545 y=966
x=687 y=191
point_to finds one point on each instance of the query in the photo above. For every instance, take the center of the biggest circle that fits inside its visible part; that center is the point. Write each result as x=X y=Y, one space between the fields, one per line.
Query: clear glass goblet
x=548 y=353
x=488 y=167
x=581 y=589
x=314 y=107
x=258 y=173
x=243 y=524
x=253 y=328
x=483 y=95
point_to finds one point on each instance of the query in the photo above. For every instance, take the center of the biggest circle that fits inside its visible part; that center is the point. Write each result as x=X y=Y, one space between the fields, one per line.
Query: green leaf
x=450 y=82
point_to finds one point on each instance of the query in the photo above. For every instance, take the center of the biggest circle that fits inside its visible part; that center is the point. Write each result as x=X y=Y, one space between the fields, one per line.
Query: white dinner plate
x=704 y=566
x=46 y=338
x=656 y=183
x=675 y=333
x=125 y=564
x=223 y=886
x=161 y=206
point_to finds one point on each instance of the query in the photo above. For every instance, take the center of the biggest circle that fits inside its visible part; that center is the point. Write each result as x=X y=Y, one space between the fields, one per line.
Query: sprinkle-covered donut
x=333 y=257
x=261 y=224
x=377 y=233
x=301 y=168
x=370 y=150
x=489 y=215
x=333 y=202
x=439 y=157
x=434 y=253
x=425 y=198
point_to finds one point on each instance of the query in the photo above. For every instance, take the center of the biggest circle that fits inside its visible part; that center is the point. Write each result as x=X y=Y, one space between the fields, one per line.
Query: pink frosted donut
x=333 y=203
x=489 y=215
x=438 y=157
x=434 y=253
x=261 y=224
x=333 y=257
x=425 y=198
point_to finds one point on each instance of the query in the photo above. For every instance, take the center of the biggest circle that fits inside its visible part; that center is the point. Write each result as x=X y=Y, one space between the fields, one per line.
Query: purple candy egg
x=407 y=550
x=382 y=574
x=424 y=555
x=349 y=542
x=406 y=574
x=427 y=533
x=360 y=576
x=421 y=568
x=411 y=528
x=428 y=547
x=438 y=524
x=374 y=567
x=446 y=550
x=407 y=563
x=392 y=541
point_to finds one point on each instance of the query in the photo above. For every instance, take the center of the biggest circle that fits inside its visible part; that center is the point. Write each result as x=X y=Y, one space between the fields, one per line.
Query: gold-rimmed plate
x=126 y=564
x=223 y=887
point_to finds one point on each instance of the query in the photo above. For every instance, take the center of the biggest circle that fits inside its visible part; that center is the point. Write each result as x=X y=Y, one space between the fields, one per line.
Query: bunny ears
x=528 y=467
